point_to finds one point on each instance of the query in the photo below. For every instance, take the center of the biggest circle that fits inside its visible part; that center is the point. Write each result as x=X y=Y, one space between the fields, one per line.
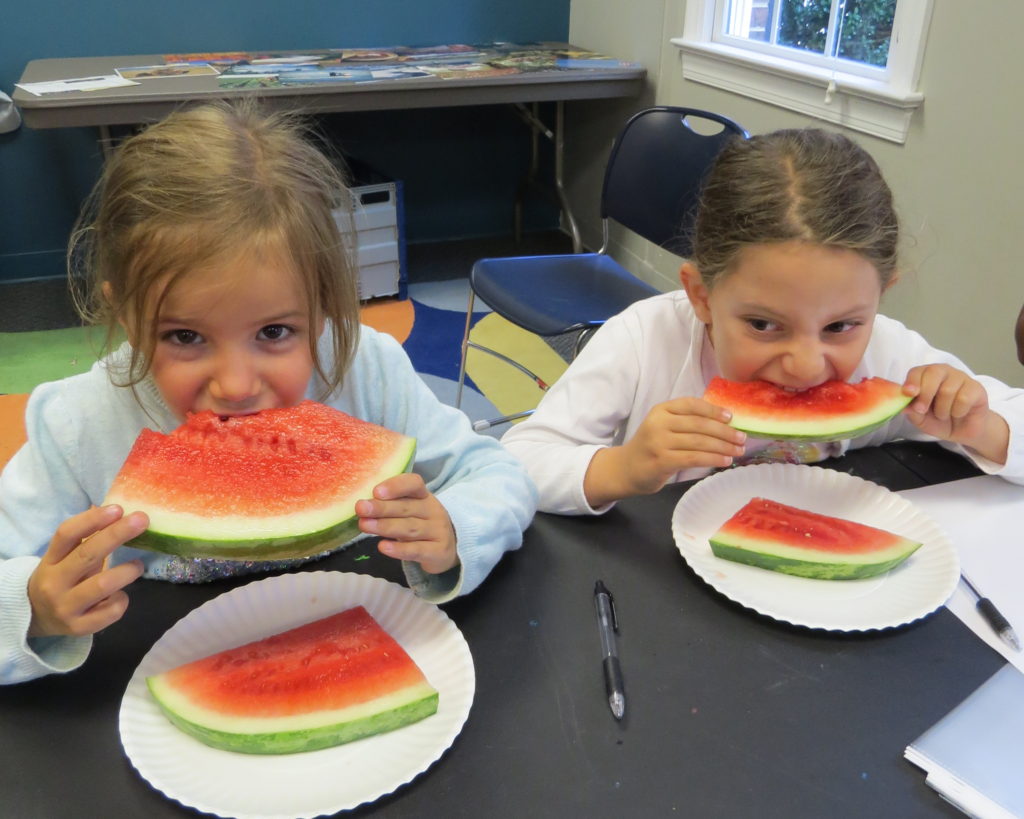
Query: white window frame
x=880 y=102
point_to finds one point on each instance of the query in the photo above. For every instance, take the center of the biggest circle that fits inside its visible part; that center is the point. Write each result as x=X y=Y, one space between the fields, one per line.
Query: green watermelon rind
x=842 y=568
x=308 y=737
x=841 y=429
x=269 y=547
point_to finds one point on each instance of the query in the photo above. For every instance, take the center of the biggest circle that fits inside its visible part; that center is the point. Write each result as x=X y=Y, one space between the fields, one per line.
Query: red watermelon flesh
x=832 y=411
x=324 y=683
x=796 y=541
x=275 y=484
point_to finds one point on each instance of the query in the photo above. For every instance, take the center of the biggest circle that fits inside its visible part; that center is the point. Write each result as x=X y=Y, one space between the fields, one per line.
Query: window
x=852 y=62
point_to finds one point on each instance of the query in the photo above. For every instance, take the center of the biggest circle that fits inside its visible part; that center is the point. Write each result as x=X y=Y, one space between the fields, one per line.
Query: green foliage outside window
x=867 y=26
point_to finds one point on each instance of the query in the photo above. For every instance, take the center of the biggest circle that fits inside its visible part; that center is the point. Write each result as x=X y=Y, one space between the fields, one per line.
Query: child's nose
x=234 y=379
x=805 y=363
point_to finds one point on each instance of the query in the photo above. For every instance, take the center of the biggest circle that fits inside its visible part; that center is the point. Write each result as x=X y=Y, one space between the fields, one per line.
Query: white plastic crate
x=376 y=221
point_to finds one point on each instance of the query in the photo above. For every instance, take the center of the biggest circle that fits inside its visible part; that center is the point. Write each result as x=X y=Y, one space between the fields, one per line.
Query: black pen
x=608 y=625
x=994 y=617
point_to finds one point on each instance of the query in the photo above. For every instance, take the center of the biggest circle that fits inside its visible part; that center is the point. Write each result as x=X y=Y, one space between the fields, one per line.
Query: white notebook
x=974 y=756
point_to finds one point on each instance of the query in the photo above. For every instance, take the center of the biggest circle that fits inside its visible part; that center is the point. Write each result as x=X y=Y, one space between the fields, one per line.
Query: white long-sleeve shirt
x=80 y=430
x=657 y=350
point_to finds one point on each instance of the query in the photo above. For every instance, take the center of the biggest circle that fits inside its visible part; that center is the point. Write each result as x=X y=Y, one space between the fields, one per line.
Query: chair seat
x=551 y=295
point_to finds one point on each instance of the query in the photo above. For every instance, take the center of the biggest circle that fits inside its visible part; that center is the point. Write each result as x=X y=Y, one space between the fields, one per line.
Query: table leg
x=106 y=142
x=557 y=138
x=574 y=231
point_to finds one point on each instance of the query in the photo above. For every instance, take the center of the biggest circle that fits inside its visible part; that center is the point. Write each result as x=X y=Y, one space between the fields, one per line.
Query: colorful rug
x=429 y=325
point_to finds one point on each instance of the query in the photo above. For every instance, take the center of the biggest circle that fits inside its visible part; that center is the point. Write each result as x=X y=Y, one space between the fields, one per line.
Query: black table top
x=729 y=713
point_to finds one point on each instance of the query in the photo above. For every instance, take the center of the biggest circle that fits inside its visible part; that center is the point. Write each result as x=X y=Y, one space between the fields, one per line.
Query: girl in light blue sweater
x=210 y=241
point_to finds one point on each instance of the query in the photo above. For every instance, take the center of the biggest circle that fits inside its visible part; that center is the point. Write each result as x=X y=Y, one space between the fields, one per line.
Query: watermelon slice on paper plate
x=320 y=782
x=900 y=595
x=832 y=411
x=281 y=483
x=330 y=681
x=795 y=541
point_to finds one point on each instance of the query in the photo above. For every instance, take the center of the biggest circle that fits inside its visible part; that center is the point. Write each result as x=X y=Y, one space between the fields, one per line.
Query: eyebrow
x=185 y=321
x=767 y=311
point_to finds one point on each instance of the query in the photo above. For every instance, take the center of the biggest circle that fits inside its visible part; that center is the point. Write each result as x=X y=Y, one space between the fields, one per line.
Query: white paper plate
x=912 y=590
x=304 y=784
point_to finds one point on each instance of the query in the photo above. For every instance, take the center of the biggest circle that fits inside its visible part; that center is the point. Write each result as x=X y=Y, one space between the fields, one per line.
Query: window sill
x=855 y=102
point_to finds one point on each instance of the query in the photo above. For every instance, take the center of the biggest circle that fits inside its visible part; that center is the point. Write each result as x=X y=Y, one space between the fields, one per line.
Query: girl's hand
x=952 y=406
x=72 y=592
x=412 y=523
x=679 y=434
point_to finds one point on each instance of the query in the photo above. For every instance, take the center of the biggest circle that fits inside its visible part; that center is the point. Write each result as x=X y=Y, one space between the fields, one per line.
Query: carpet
x=429 y=325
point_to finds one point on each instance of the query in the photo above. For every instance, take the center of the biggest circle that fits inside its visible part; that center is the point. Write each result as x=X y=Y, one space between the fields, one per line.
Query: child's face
x=234 y=338
x=795 y=314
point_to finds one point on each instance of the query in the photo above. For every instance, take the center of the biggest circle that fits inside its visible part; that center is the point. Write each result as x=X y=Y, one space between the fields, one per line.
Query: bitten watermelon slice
x=327 y=682
x=832 y=411
x=281 y=483
x=786 y=539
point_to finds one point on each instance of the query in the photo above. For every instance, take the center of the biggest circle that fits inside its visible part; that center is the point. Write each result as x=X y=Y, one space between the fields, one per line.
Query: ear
x=108 y=294
x=697 y=291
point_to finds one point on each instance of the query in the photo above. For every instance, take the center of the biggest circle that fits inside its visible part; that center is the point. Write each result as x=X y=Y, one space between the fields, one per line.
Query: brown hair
x=801 y=184
x=204 y=183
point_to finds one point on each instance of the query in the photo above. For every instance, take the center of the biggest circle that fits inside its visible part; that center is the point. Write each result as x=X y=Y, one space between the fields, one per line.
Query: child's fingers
x=433 y=558
x=58 y=608
x=406 y=485
x=698 y=407
x=100 y=600
x=90 y=556
x=74 y=530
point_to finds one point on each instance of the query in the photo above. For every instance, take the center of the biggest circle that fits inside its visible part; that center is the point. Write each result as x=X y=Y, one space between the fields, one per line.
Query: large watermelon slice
x=832 y=411
x=786 y=539
x=327 y=682
x=277 y=484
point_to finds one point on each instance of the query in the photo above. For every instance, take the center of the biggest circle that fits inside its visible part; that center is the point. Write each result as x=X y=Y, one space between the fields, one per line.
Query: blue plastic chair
x=652 y=186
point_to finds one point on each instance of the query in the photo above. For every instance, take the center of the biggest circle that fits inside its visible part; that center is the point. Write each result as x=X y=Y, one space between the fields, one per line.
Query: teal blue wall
x=460 y=166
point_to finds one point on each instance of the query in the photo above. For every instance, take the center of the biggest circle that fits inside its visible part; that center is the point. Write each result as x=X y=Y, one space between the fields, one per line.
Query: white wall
x=958 y=180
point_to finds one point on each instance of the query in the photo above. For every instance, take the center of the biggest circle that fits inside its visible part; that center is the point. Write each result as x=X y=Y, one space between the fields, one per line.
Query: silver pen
x=608 y=625
x=993 y=616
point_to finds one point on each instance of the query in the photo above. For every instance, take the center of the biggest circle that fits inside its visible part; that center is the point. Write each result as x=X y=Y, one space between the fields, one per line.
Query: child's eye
x=182 y=337
x=761 y=325
x=276 y=332
x=841 y=326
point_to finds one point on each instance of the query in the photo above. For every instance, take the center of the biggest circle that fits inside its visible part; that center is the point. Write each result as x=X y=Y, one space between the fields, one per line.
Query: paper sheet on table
x=984 y=518
x=75 y=84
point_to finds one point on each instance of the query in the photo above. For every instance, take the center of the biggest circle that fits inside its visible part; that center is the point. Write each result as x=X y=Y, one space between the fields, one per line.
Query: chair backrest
x=653 y=179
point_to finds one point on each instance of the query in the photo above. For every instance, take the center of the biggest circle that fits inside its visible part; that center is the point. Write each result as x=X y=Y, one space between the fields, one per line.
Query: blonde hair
x=205 y=183
x=801 y=184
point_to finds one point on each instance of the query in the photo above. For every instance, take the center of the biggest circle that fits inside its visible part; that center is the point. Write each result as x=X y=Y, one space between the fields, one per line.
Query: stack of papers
x=983 y=517
x=974 y=756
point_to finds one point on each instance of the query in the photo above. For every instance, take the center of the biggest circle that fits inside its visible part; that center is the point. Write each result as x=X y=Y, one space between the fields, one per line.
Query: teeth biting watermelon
x=325 y=683
x=795 y=541
x=281 y=483
x=832 y=411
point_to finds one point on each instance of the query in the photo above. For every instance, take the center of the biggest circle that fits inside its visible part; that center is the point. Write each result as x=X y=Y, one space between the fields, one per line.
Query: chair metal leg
x=482 y=426
x=540 y=382
x=465 y=345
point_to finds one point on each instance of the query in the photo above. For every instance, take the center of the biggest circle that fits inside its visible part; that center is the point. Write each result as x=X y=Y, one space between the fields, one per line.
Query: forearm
x=606 y=478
